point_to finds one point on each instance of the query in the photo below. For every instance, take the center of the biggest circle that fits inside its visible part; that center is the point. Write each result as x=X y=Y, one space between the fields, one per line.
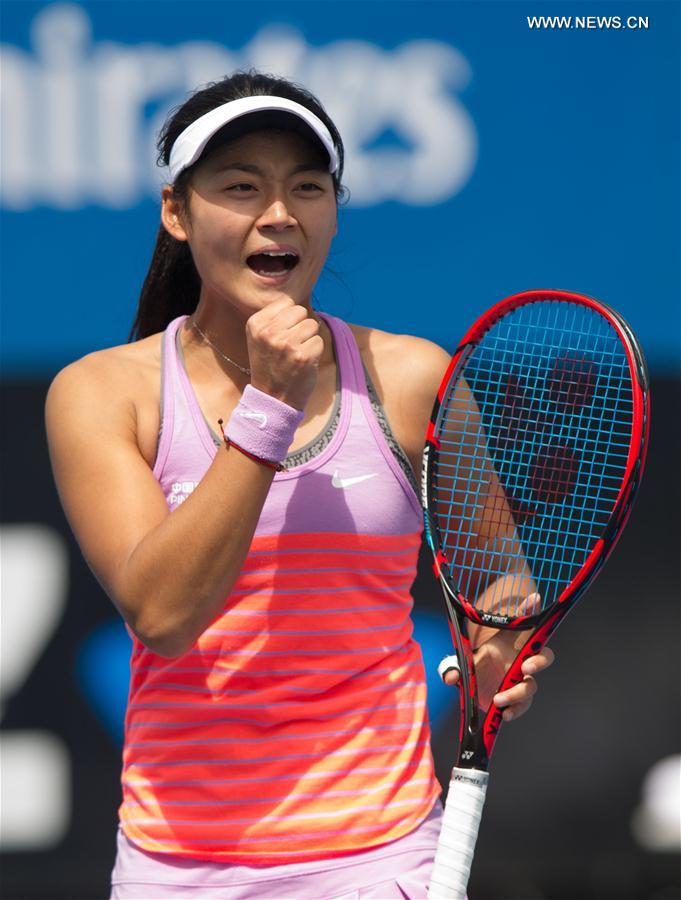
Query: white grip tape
x=460 y=823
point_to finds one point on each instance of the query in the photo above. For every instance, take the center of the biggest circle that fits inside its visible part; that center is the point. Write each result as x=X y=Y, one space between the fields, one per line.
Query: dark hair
x=172 y=286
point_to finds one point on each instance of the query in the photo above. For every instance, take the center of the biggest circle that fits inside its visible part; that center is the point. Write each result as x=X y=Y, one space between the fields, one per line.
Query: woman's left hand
x=495 y=651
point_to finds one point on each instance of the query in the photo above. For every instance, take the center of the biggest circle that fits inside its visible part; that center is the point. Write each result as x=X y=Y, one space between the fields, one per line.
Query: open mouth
x=273 y=262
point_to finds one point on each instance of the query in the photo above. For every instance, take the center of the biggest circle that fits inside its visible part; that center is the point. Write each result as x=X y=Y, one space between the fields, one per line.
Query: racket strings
x=534 y=443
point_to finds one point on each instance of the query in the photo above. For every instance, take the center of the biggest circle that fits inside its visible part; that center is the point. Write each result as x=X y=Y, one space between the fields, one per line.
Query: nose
x=276 y=216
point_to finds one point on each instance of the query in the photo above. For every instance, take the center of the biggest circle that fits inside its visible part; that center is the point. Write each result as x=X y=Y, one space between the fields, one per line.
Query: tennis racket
x=533 y=455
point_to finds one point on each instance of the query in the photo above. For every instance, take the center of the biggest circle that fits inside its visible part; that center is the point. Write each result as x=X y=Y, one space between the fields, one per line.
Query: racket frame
x=476 y=736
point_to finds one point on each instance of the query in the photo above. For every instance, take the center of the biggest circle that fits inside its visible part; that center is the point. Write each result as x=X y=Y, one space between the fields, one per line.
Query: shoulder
x=115 y=367
x=109 y=383
x=406 y=372
x=414 y=364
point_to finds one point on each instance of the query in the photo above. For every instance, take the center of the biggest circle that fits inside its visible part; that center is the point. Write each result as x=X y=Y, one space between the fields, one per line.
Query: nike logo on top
x=258 y=417
x=339 y=482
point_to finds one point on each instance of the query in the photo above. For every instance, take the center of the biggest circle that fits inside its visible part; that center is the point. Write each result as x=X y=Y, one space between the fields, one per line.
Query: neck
x=225 y=336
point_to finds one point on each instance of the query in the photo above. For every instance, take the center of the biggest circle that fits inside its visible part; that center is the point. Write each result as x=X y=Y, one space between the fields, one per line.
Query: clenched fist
x=284 y=351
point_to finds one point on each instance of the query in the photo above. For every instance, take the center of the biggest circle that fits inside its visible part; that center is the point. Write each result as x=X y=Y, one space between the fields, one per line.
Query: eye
x=241 y=188
x=309 y=187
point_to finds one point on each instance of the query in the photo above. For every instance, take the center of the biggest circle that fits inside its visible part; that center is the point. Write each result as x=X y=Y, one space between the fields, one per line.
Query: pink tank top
x=296 y=727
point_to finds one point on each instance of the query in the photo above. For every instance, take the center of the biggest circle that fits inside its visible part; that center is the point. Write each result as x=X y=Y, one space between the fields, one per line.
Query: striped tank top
x=295 y=728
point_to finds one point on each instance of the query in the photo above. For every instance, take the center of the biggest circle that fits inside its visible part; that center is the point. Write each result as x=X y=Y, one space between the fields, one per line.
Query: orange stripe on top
x=298 y=712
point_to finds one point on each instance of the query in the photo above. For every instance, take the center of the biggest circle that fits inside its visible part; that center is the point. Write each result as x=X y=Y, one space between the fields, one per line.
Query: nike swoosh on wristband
x=339 y=482
x=258 y=417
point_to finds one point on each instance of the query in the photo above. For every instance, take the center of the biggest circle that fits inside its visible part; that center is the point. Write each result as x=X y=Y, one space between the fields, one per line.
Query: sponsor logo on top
x=338 y=482
x=180 y=490
x=80 y=115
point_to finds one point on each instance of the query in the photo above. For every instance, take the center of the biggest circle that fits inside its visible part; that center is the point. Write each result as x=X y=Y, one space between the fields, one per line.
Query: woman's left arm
x=407 y=372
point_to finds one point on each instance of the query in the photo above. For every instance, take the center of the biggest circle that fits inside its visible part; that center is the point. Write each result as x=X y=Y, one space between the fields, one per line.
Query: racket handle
x=460 y=823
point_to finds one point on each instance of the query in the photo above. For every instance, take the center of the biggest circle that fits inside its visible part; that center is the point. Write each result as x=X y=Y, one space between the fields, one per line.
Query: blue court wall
x=486 y=155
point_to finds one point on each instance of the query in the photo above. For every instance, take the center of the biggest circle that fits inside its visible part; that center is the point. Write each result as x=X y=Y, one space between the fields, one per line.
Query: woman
x=276 y=735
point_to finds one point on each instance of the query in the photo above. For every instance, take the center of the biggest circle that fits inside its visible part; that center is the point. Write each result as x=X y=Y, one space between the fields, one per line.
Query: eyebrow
x=256 y=170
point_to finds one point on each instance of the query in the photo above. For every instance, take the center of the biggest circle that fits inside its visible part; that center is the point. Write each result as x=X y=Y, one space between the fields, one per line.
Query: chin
x=268 y=294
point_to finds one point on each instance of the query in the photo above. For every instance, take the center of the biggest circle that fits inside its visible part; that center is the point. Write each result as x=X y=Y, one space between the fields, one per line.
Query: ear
x=172 y=214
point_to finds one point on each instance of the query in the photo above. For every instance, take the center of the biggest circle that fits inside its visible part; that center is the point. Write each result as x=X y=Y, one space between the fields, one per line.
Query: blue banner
x=492 y=147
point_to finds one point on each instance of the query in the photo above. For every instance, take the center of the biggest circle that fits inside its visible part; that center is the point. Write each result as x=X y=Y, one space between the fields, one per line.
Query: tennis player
x=241 y=480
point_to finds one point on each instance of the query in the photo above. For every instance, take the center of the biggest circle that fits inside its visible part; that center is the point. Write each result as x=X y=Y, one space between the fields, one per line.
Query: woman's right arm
x=167 y=574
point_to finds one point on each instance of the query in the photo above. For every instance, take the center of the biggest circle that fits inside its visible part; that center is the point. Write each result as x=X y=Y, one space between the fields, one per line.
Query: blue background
x=575 y=184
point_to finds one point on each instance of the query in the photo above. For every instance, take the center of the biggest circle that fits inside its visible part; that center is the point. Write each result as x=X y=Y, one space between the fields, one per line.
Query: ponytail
x=171 y=287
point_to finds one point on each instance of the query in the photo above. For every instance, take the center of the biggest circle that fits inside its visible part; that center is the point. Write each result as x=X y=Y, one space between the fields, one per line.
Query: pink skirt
x=399 y=870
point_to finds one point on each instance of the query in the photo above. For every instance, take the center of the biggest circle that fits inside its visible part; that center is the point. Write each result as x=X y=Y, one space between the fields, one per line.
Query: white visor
x=191 y=143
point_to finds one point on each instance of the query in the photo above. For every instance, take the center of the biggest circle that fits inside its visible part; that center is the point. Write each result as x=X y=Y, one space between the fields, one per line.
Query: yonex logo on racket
x=488 y=618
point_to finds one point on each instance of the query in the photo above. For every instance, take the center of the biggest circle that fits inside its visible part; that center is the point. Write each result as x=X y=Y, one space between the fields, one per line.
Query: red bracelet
x=278 y=467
